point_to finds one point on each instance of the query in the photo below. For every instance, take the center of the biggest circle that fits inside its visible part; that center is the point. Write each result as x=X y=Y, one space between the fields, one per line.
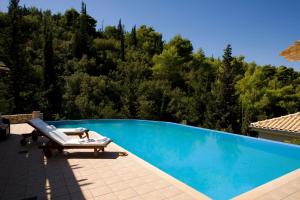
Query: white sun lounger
x=59 y=140
x=75 y=131
x=81 y=132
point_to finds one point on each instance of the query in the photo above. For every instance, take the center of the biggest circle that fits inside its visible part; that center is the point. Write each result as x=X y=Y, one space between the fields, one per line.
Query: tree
x=222 y=112
x=133 y=39
x=71 y=17
x=182 y=108
x=4 y=93
x=49 y=72
x=171 y=62
x=61 y=61
x=183 y=47
x=52 y=96
x=149 y=41
x=90 y=97
x=167 y=66
x=199 y=81
x=251 y=89
x=131 y=74
x=153 y=100
x=15 y=53
x=81 y=39
x=122 y=40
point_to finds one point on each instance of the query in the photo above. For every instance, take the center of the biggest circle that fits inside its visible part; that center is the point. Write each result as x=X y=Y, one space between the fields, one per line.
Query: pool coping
x=184 y=187
x=270 y=186
x=251 y=194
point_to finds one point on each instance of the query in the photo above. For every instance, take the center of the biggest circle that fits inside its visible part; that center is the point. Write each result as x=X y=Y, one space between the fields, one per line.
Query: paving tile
x=119 y=186
x=62 y=197
x=170 y=191
x=136 y=198
x=12 y=196
x=143 y=189
x=126 y=194
x=67 y=177
x=128 y=176
x=108 y=174
x=73 y=188
x=98 y=184
x=85 y=194
x=150 y=178
x=58 y=192
x=110 y=196
x=100 y=191
x=288 y=189
x=160 y=184
x=135 y=182
x=294 y=196
x=112 y=180
x=157 y=195
x=181 y=197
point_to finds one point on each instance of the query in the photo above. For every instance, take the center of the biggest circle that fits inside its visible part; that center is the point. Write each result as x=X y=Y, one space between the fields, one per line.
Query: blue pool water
x=218 y=164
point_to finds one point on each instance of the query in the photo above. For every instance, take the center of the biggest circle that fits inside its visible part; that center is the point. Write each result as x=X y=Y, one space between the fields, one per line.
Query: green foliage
x=182 y=108
x=223 y=108
x=149 y=41
x=133 y=39
x=182 y=46
x=70 y=19
x=168 y=65
x=88 y=96
x=4 y=95
x=153 y=99
x=82 y=36
x=62 y=66
x=14 y=55
x=122 y=40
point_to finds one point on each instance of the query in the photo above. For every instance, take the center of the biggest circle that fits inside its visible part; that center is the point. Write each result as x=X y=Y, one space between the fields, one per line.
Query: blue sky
x=257 y=29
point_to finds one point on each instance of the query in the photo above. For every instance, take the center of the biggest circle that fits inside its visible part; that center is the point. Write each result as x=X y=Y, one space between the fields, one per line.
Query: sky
x=256 y=29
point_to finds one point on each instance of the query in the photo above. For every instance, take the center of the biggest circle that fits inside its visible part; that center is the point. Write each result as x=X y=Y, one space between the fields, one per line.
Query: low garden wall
x=22 y=118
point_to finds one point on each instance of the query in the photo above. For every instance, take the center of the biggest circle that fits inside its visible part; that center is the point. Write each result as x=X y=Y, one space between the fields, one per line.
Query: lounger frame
x=35 y=134
x=51 y=144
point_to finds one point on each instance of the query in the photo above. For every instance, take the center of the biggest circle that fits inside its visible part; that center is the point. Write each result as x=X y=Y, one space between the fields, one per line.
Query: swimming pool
x=215 y=163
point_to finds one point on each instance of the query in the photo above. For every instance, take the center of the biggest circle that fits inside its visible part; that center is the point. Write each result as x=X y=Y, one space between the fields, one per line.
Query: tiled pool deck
x=81 y=175
x=286 y=187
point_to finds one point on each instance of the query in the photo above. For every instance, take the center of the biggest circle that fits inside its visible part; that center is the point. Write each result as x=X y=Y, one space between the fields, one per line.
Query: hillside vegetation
x=60 y=64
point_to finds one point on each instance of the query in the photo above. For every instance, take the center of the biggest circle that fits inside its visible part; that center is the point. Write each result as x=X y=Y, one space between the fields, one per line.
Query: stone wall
x=278 y=137
x=23 y=118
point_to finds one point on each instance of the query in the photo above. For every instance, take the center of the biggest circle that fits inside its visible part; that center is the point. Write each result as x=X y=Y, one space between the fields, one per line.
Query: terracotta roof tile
x=287 y=123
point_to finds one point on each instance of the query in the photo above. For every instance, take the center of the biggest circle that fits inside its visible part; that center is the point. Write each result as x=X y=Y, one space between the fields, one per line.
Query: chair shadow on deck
x=26 y=174
x=91 y=155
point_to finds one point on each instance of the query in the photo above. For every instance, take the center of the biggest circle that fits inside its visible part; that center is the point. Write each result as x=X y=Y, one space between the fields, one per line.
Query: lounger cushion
x=88 y=142
x=73 y=130
x=64 y=140
x=68 y=141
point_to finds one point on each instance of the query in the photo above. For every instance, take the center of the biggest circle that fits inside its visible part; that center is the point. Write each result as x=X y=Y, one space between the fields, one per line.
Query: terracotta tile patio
x=26 y=173
x=286 y=187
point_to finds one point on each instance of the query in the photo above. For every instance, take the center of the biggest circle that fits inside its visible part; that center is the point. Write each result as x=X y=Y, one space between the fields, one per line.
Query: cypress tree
x=222 y=107
x=15 y=53
x=133 y=38
x=76 y=45
x=51 y=84
x=122 y=40
x=49 y=72
x=81 y=37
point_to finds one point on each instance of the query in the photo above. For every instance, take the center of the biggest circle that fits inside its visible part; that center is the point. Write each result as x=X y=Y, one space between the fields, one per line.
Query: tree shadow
x=26 y=174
